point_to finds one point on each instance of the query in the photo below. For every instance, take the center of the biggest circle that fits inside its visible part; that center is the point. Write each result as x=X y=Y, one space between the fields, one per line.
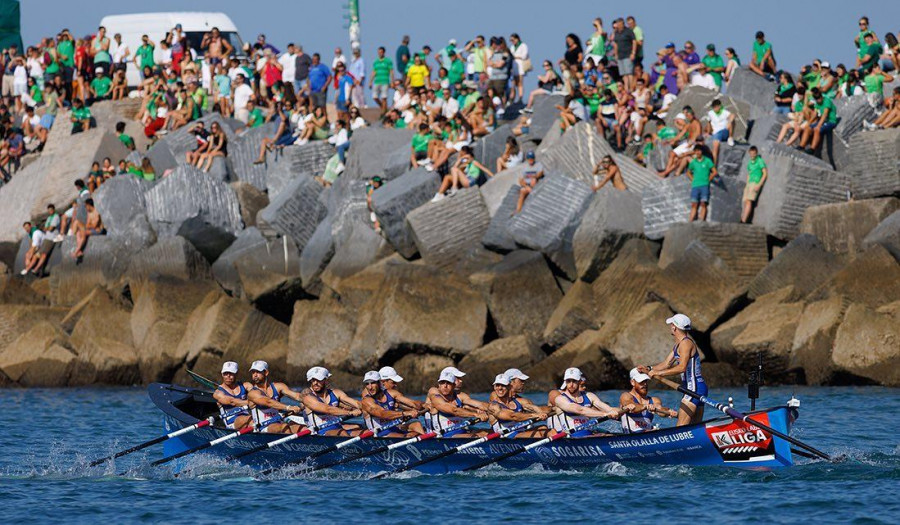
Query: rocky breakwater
x=264 y=263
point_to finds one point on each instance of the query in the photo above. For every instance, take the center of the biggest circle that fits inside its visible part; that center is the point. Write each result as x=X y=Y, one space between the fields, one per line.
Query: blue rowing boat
x=716 y=442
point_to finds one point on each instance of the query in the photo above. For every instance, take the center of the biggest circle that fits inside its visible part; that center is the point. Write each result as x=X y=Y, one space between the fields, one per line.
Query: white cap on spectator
x=574 y=374
x=372 y=377
x=452 y=41
x=501 y=379
x=453 y=370
x=681 y=321
x=388 y=372
x=259 y=366
x=637 y=375
x=826 y=65
x=98 y=70
x=515 y=373
x=318 y=372
x=229 y=366
x=447 y=376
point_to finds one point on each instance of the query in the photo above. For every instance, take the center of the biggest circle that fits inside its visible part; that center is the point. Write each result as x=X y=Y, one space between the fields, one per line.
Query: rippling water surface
x=49 y=436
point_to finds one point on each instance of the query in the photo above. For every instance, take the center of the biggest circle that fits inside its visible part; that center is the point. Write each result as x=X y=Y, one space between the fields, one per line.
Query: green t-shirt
x=82 y=113
x=874 y=83
x=66 y=52
x=593 y=102
x=400 y=124
x=101 y=55
x=701 y=169
x=145 y=56
x=755 y=170
x=828 y=104
x=256 y=118
x=127 y=141
x=714 y=61
x=456 y=72
x=874 y=51
x=648 y=147
x=598 y=44
x=53 y=67
x=382 y=68
x=863 y=48
x=37 y=94
x=420 y=142
x=101 y=86
x=760 y=50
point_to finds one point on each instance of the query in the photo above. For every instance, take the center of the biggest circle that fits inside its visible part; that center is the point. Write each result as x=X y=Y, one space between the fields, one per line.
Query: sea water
x=49 y=436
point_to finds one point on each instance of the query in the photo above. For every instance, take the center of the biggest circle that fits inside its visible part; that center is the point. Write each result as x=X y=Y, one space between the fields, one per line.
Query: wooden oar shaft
x=735 y=414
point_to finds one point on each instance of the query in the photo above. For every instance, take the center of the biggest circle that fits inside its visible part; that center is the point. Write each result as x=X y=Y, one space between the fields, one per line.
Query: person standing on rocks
x=757 y=173
x=683 y=360
x=701 y=170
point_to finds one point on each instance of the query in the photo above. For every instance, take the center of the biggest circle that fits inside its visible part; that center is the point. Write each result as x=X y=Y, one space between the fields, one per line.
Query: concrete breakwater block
x=315 y=257
x=104 y=262
x=742 y=247
x=269 y=271
x=731 y=158
x=804 y=264
x=766 y=128
x=548 y=221
x=396 y=199
x=852 y=111
x=219 y=170
x=791 y=188
x=700 y=100
x=245 y=150
x=370 y=149
x=348 y=209
x=168 y=152
x=445 y=231
x=497 y=237
x=887 y=234
x=576 y=152
x=396 y=163
x=295 y=212
x=668 y=202
x=173 y=257
x=183 y=195
x=294 y=161
x=875 y=159
x=490 y=147
x=842 y=226
x=545 y=115
x=121 y=204
x=611 y=219
x=759 y=92
x=223 y=269
x=495 y=189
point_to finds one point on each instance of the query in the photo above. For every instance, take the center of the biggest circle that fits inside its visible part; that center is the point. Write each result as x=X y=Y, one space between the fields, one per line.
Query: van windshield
x=196 y=38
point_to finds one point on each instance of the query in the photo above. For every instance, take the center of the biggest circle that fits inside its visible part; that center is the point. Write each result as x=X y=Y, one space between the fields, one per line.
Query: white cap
x=388 y=372
x=515 y=373
x=453 y=370
x=638 y=376
x=318 y=372
x=447 y=376
x=501 y=379
x=573 y=373
x=259 y=366
x=681 y=321
x=825 y=64
x=98 y=70
x=452 y=41
x=372 y=377
x=230 y=367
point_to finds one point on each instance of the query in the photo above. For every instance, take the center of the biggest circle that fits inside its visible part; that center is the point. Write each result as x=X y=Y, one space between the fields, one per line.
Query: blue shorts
x=701 y=389
x=721 y=135
x=826 y=127
x=47 y=121
x=700 y=194
x=342 y=106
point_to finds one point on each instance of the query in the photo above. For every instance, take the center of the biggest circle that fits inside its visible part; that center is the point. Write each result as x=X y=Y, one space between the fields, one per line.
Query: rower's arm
x=226 y=400
x=314 y=404
x=258 y=399
x=529 y=406
x=600 y=405
x=369 y=406
x=345 y=399
x=442 y=405
x=505 y=414
x=573 y=408
x=405 y=401
x=287 y=391
x=661 y=366
x=660 y=409
x=468 y=401
x=686 y=349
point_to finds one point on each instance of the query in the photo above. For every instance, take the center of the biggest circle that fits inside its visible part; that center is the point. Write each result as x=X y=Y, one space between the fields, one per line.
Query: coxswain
x=509 y=411
x=639 y=406
x=266 y=397
x=380 y=409
x=683 y=360
x=578 y=406
x=389 y=379
x=323 y=405
x=449 y=408
x=234 y=407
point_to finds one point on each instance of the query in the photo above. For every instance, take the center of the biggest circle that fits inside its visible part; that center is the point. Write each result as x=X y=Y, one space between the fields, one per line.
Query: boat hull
x=718 y=442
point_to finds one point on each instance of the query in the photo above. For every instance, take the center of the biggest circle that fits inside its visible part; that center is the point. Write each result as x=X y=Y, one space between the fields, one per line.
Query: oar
x=204 y=423
x=393 y=446
x=306 y=431
x=208 y=383
x=559 y=435
x=493 y=435
x=728 y=411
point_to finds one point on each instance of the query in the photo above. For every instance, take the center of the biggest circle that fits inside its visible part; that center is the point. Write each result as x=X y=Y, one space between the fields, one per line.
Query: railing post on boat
x=756 y=378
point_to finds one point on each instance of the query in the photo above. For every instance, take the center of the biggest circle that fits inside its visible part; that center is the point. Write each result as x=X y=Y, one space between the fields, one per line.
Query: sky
x=800 y=30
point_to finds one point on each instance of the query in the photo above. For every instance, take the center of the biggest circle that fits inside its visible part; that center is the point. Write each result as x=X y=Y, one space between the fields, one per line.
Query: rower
x=323 y=405
x=389 y=379
x=507 y=410
x=234 y=408
x=449 y=408
x=639 y=407
x=266 y=397
x=380 y=408
x=684 y=360
x=457 y=375
x=516 y=387
x=578 y=405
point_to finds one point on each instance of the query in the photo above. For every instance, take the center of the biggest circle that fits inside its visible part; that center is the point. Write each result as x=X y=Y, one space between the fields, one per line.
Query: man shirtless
x=611 y=172
x=681 y=154
x=92 y=226
x=219 y=48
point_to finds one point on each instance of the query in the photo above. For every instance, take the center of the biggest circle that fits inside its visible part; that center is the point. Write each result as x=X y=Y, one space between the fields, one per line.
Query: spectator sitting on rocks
x=611 y=172
x=356 y=120
x=283 y=134
x=68 y=218
x=685 y=139
x=94 y=177
x=36 y=236
x=466 y=172
x=763 y=62
x=145 y=172
x=218 y=147
x=825 y=123
x=511 y=156
x=643 y=155
x=784 y=93
x=572 y=111
x=757 y=173
x=531 y=175
x=100 y=87
x=891 y=116
x=91 y=227
x=419 y=147
x=81 y=117
x=109 y=171
x=375 y=183
x=124 y=138
x=32 y=128
x=12 y=151
x=700 y=171
x=341 y=142
x=874 y=84
x=719 y=127
x=547 y=83
x=316 y=127
x=119 y=85
x=201 y=143
x=481 y=117
x=732 y=63
x=48 y=236
x=873 y=54
x=701 y=77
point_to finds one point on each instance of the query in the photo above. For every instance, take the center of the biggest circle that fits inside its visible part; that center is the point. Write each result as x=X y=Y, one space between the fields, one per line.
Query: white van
x=156 y=25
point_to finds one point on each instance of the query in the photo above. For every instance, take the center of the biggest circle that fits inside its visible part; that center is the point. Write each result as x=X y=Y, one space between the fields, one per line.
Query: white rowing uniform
x=230 y=414
x=382 y=426
x=640 y=422
x=566 y=422
x=324 y=422
x=442 y=421
x=263 y=417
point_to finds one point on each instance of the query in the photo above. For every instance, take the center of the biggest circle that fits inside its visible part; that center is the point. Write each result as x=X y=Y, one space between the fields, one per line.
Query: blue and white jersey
x=231 y=413
x=376 y=423
x=499 y=426
x=640 y=422
x=691 y=378
x=568 y=421
x=321 y=420
x=442 y=421
x=265 y=416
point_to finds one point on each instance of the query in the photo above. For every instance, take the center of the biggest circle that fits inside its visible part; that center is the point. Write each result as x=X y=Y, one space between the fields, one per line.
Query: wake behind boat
x=717 y=442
